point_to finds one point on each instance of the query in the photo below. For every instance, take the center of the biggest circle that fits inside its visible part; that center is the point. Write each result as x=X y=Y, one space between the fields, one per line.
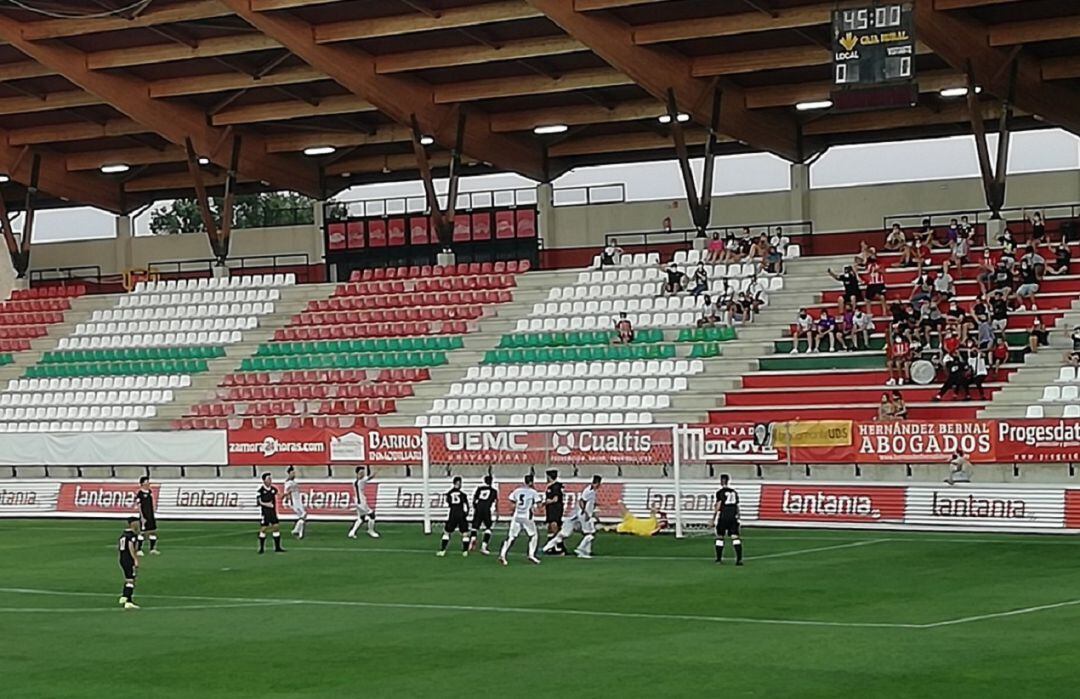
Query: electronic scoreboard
x=874 y=56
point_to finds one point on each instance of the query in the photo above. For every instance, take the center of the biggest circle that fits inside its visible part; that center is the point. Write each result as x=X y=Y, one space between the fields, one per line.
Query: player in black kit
x=268 y=505
x=148 y=522
x=129 y=562
x=554 y=498
x=458 y=518
x=726 y=520
x=483 y=501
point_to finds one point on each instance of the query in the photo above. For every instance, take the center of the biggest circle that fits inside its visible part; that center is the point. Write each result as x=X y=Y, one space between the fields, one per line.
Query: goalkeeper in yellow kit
x=655 y=523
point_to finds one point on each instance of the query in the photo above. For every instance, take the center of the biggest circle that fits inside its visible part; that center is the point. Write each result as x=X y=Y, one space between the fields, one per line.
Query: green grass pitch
x=814 y=613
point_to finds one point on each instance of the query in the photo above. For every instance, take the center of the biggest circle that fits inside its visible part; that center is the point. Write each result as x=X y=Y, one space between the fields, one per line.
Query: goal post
x=620 y=454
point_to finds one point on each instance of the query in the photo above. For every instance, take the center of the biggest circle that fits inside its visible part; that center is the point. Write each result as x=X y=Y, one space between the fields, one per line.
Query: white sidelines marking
x=257 y=601
x=705 y=558
x=1000 y=615
x=186 y=607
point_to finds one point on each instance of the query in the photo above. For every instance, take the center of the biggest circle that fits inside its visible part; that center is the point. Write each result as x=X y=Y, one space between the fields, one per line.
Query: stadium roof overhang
x=290 y=75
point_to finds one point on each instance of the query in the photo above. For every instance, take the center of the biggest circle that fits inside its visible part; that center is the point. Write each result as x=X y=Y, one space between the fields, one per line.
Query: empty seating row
x=392 y=344
x=71 y=426
x=1068 y=374
x=648 y=304
x=49 y=292
x=124 y=355
x=432 y=285
x=376 y=273
x=170 y=339
x=114 y=397
x=100 y=383
x=246 y=281
x=313 y=391
x=675 y=319
x=352 y=406
x=650 y=276
x=560 y=403
x=80 y=412
x=638 y=259
x=326 y=376
x=153 y=326
x=574 y=339
x=133 y=368
x=390 y=315
x=542 y=419
x=595 y=353
x=363 y=302
x=1036 y=412
x=35 y=305
x=374 y=360
x=1069 y=393
x=580 y=387
x=194 y=298
x=576 y=370
x=211 y=310
x=282 y=422
x=28 y=332
x=721 y=333
x=42 y=318
x=340 y=332
x=8 y=345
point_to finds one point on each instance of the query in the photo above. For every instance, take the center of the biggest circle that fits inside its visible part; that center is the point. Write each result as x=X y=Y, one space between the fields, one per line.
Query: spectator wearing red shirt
x=898 y=358
x=999 y=354
x=875 y=286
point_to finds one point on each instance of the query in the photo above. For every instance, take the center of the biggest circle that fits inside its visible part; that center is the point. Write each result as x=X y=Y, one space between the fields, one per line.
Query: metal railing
x=671 y=236
x=273 y=263
x=81 y=273
x=1018 y=218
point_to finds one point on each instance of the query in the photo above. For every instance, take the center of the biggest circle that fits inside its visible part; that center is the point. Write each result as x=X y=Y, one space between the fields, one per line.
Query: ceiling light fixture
x=115 y=168
x=958 y=91
x=4 y=178
x=815 y=104
x=681 y=117
x=550 y=129
x=319 y=150
x=203 y=160
x=426 y=140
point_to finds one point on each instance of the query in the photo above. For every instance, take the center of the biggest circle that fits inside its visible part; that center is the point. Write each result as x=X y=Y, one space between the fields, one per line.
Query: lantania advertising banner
x=832 y=503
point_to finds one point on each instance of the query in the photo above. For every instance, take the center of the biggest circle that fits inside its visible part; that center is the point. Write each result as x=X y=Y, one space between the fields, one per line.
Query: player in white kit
x=292 y=494
x=525 y=499
x=364 y=514
x=584 y=518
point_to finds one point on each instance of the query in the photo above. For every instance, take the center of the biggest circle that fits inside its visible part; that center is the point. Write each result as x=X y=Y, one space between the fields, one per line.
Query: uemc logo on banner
x=486 y=441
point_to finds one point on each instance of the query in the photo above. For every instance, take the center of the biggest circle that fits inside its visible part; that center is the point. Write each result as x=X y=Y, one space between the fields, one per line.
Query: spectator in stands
x=624 y=330
x=898 y=405
x=1062 y=259
x=965 y=226
x=710 y=313
x=1073 y=355
x=895 y=240
x=960 y=469
x=714 y=251
x=803 y=327
x=774 y=261
x=898 y=357
x=999 y=355
x=862 y=327
x=852 y=288
x=756 y=294
x=759 y=249
x=733 y=248
x=885 y=409
x=944 y=285
x=674 y=279
x=952 y=233
x=930 y=320
x=875 y=284
x=950 y=347
x=999 y=313
x=1038 y=335
x=979 y=371
x=1028 y=277
x=699 y=283
x=985 y=334
x=925 y=234
x=1038 y=229
x=611 y=254
x=985 y=275
x=863 y=256
x=957 y=378
x=961 y=248
x=923 y=289
x=1033 y=258
x=1007 y=242
x=826 y=328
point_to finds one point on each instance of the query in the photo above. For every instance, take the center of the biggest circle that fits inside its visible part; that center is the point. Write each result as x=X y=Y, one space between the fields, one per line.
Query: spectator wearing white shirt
x=710 y=313
x=862 y=327
x=944 y=285
x=802 y=328
x=611 y=254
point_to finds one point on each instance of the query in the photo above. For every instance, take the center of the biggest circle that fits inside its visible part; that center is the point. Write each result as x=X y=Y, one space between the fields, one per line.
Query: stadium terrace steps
x=1025 y=386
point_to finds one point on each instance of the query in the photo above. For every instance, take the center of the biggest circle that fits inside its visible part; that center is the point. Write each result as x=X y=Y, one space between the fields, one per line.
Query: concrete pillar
x=7 y=276
x=799 y=199
x=124 y=244
x=318 y=246
x=546 y=226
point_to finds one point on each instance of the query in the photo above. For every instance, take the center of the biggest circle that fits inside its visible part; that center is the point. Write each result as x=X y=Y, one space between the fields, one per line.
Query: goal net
x=623 y=456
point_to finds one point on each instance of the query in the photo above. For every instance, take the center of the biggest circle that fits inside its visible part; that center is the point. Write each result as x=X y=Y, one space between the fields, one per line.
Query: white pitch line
x=555 y=611
x=700 y=559
x=1000 y=615
x=187 y=607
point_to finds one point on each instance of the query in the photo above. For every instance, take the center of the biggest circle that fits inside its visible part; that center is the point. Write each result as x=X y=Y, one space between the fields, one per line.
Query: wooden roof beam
x=164 y=53
x=963 y=42
x=590 y=5
x=410 y=23
x=55 y=180
x=290 y=109
x=397 y=97
x=657 y=70
x=425 y=59
x=733 y=24
x=174 y=121
x=965 y=4
x=590 y=114
x=1050 y=29
x=78 y=131
x=150 y=17
x=521 y=85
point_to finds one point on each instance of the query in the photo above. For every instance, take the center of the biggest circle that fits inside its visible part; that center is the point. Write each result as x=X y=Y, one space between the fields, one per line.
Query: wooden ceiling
x=293 y=74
